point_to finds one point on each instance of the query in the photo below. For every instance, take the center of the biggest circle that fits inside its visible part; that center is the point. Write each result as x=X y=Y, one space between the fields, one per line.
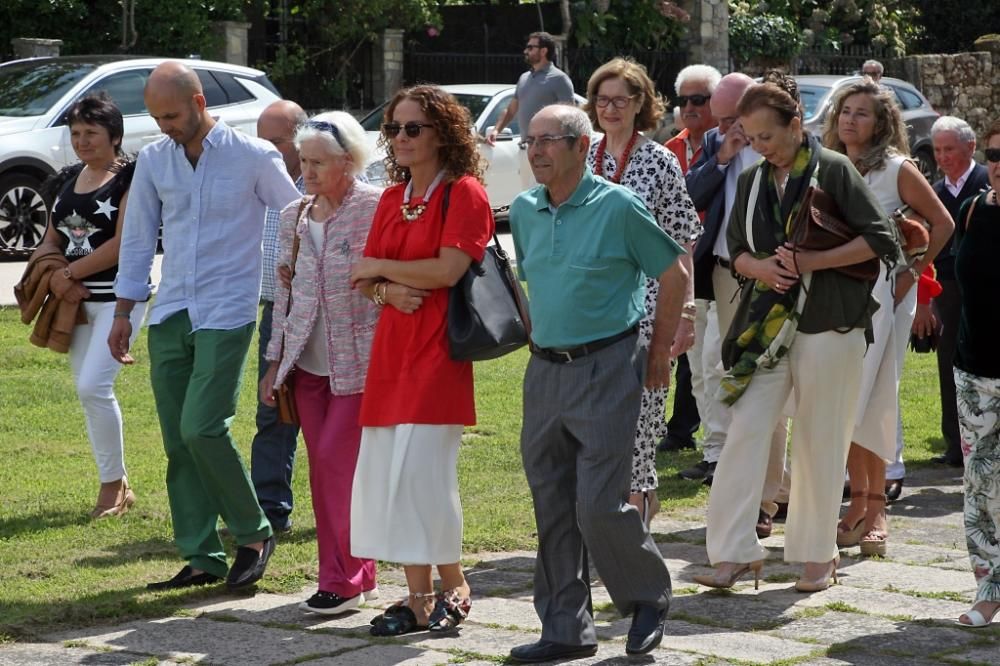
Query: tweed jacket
x=322 y=275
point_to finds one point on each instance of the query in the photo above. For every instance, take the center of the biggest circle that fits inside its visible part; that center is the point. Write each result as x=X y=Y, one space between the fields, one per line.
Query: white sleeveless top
x=884 y=183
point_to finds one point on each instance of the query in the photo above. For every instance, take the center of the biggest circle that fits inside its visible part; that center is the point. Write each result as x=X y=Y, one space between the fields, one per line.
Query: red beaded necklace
x=599 y=158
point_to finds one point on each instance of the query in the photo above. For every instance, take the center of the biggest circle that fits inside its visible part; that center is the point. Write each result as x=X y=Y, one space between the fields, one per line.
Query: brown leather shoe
x=764 y=525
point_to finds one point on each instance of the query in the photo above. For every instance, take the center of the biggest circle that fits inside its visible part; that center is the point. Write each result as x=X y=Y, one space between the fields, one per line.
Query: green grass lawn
x=59 y=567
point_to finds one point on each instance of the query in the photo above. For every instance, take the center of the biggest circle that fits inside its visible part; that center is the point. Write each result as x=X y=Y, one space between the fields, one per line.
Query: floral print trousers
x=979 y=422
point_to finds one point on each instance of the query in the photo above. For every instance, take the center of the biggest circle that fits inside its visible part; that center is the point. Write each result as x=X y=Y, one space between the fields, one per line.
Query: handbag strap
x=295 y=256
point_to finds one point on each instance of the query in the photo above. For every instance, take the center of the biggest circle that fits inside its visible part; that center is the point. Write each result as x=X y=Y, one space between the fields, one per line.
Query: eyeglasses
x=601 y=101
x=327 y=127
x=992 y=154
x=545 y=140
x=412 y=129
x=697 y=100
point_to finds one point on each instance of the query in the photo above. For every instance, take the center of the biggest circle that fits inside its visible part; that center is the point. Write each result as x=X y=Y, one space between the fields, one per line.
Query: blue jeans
x=272 y=454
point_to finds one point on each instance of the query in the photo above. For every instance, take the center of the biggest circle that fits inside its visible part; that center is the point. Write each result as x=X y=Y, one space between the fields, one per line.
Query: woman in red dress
x=428 y=228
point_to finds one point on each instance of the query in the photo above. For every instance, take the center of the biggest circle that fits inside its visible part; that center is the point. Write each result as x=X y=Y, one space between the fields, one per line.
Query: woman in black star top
x=86 y=224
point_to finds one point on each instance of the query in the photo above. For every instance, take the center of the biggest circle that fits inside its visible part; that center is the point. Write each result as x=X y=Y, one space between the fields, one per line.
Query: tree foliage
x=951 y=26
x=762 y=37
x=168 y=28
x=833 y=24
x=627 y=24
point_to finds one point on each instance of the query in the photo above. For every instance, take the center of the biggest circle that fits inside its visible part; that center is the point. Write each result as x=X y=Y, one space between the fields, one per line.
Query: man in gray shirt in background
x=540 y=86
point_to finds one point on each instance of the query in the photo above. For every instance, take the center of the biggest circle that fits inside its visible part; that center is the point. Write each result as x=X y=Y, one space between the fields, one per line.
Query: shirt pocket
x=221 y=197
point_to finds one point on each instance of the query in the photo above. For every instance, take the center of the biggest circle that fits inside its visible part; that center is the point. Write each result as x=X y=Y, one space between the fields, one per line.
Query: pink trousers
x=333 y=438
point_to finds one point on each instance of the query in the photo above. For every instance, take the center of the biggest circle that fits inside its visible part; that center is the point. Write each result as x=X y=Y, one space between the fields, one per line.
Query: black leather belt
x=573 y=353
x=723 y=262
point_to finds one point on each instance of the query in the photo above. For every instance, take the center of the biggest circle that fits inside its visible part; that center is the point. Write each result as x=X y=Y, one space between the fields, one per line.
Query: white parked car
x=34 y=139
x=486 y=103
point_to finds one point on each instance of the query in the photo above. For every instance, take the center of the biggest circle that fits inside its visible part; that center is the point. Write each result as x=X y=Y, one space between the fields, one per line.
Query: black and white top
x=87 y=221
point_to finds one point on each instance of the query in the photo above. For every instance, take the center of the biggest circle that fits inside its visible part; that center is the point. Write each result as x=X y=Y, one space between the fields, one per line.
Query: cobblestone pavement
x=900 y=610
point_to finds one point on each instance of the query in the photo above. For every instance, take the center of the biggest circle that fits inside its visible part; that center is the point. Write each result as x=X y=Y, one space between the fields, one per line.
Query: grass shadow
x=13 y=527
x=156 y=548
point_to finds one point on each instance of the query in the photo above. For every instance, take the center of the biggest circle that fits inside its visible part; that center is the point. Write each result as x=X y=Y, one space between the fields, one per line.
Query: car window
x=498 y=111
x=125 y=88
x=812 y=99
x=214 y=94
x=234 y=91
x=32 y=88
x=907 y=98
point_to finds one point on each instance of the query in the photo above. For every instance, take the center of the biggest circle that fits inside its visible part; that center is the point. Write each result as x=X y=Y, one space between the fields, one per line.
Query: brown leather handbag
x=284 y=395
x=820 y=226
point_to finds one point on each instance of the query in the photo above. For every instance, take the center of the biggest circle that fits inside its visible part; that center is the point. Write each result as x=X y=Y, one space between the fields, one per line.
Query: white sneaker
x=372 y=594
x=328 y=603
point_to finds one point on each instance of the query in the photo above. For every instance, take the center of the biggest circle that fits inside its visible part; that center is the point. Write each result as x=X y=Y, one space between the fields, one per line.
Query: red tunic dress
x=411 y=378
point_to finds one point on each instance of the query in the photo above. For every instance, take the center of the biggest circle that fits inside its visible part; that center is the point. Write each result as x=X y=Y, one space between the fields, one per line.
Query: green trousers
x=196 y=381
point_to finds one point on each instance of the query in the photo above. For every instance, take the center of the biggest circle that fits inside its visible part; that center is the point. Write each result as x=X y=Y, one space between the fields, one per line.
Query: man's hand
x=121 y=332
x=733 y=142
x=491 y=136
x=924 y=323
x=658 y=367
x=683 y=338
x=266 y=386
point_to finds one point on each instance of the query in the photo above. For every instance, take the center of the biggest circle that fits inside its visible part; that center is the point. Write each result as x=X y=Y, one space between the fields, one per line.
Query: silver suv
x=34 y=138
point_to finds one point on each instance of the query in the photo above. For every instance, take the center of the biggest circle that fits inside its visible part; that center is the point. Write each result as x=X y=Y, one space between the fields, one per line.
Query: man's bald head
x=727 y=94
x=174 y=99
x=175 y=78
x=277 y=124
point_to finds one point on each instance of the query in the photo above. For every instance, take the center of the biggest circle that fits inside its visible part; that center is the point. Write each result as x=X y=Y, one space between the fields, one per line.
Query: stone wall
x=31 y=47
x=966 y=85
x=708 y=33
x=232 y=46
x=387 y=74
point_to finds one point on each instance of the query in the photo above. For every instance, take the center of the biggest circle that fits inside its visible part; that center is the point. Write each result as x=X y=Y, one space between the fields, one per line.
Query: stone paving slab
x=215 y=642
x=889 y=604
x=46 y=654
x=729 y=644
x=400 y=655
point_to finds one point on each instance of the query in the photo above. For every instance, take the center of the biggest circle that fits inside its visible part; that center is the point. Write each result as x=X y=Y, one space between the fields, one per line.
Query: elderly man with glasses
x=585 y=246
x=540 y=86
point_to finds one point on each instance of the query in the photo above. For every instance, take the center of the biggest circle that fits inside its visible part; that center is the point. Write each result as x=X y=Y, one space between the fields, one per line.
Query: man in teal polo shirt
x=584 y=245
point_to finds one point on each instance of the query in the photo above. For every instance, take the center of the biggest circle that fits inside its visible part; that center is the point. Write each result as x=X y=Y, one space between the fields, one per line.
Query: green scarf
x=773 y=316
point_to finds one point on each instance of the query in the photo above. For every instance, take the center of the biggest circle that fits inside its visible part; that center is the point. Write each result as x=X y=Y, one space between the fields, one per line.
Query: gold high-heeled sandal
x=718 y=581
x=123 y=502
x=820 y=584
x=847 y=535
x=875 y=541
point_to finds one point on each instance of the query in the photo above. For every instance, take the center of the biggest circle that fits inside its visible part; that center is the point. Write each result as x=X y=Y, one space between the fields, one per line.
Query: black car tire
x=24 y=214
x=927 y=164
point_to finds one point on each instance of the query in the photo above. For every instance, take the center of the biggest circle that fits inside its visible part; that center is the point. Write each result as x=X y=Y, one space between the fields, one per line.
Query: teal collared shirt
x=585 y=260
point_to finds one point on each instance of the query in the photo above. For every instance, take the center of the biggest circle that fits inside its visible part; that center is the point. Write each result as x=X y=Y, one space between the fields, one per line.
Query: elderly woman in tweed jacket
x=321 y=342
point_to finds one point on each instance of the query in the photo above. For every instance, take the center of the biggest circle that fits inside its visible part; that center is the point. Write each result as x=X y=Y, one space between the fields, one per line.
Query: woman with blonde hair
x=428 y=229
x=866 y=125
x=799 y=330
x=621 y=103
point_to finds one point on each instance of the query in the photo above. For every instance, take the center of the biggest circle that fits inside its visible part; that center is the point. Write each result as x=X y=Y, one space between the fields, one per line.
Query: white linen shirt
x=213 y=221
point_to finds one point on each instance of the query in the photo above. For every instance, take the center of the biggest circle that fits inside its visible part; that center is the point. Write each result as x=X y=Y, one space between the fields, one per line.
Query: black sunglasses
x=412 y=129
x=327 y=127
x=697 y=100
x=992 y=154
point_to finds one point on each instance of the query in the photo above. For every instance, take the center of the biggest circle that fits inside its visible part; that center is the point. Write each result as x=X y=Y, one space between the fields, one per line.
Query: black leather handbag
x=487 y=309
x=487 y=317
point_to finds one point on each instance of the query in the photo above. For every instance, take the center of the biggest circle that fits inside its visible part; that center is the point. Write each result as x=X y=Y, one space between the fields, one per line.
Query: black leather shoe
x=548 y=651
x=951 y=461
x=893 y=489
x=185 y=578
x=764 y=525
x=671 y=443
x=699 y=472
x=249 y=565
x=646 y=631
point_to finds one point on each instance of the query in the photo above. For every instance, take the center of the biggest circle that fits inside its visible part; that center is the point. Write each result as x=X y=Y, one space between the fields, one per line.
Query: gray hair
x=956 y=125
x=706 y=73
x=874 y=63
x=572 y=120
x=352 y=138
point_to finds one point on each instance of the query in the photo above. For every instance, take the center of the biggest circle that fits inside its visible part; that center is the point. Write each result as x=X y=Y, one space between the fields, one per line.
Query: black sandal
x=449 y=611
x=399 y=618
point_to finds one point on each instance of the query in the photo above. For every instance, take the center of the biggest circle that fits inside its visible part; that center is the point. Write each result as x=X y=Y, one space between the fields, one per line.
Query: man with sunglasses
x=585 y=245
x=694 y=85
x=540 y=86
x=954 y=146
